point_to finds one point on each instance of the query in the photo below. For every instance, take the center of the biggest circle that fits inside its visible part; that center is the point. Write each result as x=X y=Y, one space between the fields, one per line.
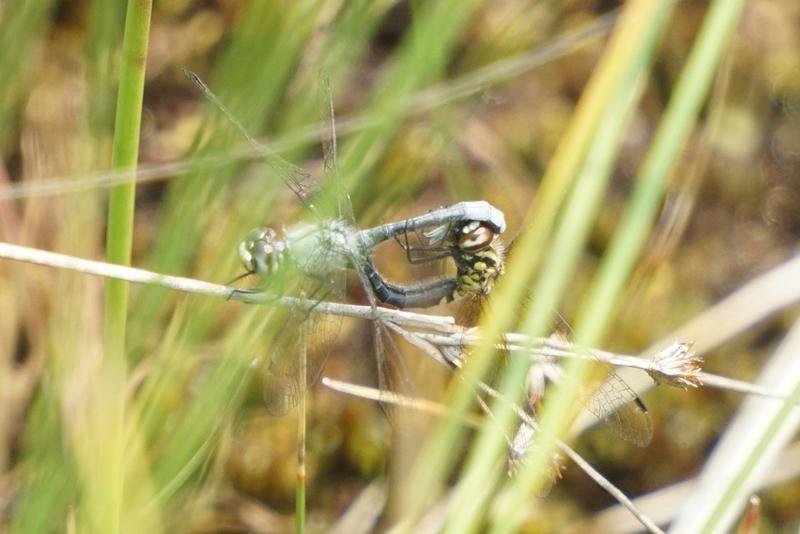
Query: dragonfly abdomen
x=417 y=296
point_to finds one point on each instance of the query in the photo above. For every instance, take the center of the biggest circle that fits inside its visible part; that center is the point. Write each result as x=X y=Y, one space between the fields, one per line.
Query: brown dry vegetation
x=730 y=212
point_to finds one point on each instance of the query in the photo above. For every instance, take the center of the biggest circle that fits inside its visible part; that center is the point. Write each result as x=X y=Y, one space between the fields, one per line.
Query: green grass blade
x=250 y=85
x=105 y=473
x=691 y=90
x=48 y=482
x=419 y=60
x=22 y=24
x=607 y=83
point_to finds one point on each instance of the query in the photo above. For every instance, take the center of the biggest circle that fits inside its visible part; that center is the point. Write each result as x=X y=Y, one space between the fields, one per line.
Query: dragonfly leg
x=250 y=291
x=441 y=252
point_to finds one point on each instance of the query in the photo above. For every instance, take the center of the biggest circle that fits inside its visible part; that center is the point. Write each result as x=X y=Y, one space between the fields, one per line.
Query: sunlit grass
x=193 y=361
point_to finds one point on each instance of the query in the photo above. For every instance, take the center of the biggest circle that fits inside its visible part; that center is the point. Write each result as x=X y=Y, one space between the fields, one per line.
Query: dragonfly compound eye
x=475 y=237
x=261 y=252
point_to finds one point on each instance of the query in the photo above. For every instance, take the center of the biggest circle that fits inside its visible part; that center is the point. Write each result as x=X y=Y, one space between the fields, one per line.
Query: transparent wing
x=282 y=387
x=282 y=383
x=320 y=274
x=613 y=401
x=393 y=376
x=321 y=278
x=296 y=179
x=524 y=445
x=337 y=194
x=630 y=421
x=390 y=365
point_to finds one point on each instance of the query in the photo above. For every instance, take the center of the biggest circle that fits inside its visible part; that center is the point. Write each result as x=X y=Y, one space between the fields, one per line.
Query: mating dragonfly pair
x=468 y=232
x=315 y=257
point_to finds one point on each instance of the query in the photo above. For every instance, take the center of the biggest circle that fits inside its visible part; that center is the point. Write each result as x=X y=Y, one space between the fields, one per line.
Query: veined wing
x=296 y=179
x=320 y=276
x=612 y=401
x=615 y=402
x=300 y=182
x=283 y=386
x=478 y=252
x=318 y=255
x=323 y=269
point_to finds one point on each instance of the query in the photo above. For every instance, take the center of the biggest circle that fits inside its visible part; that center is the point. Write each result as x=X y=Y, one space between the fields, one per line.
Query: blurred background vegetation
x=431 y=110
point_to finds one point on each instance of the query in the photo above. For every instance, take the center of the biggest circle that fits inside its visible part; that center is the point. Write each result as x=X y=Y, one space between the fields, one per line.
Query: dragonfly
x=315 y=256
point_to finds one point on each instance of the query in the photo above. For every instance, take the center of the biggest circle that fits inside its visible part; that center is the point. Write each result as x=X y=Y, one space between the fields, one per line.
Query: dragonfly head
x=475 y=236
x=261 y=251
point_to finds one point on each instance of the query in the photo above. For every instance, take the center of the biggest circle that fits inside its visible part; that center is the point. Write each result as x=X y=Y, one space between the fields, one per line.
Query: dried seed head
x=677 y=365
